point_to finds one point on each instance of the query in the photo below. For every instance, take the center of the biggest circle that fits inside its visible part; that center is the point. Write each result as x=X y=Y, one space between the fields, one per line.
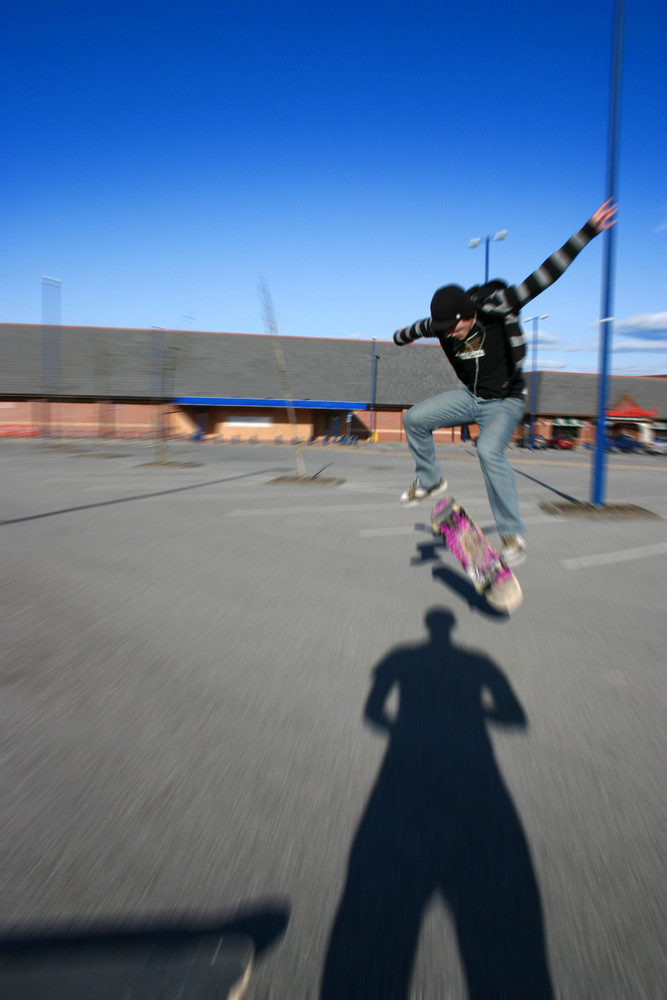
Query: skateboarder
x=479 y=332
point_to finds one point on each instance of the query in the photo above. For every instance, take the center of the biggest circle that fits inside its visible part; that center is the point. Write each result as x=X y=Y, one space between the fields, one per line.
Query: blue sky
x=162 y=158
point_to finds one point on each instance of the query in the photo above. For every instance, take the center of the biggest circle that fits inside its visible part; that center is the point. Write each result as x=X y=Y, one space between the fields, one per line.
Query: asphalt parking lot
x=230 y=702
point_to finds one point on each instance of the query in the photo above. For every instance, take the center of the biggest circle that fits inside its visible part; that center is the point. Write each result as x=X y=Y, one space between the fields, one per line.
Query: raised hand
x=605 y=217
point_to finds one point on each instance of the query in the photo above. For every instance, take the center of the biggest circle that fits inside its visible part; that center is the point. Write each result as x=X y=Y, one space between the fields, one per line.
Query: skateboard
x=489 y=573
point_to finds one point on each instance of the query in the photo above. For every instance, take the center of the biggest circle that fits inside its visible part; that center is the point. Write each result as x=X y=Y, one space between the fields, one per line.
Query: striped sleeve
x=516 y=345
x=514 y=298
x=408 y=334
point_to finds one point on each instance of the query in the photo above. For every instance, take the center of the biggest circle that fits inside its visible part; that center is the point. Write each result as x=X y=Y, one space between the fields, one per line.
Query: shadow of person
x=439 y=821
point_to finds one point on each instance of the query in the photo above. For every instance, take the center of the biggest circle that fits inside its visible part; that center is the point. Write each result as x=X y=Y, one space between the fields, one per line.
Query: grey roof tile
x=104 y=363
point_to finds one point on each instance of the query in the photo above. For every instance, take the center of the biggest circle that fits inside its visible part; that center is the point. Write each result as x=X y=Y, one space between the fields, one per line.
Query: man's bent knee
x=411 y=421
x=489 y=451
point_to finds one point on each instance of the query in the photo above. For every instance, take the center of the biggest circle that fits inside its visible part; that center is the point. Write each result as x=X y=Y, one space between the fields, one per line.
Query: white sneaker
x=416 y=493
x=513 y=549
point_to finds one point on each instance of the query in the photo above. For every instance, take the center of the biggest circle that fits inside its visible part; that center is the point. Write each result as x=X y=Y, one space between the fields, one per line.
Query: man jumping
x=479 y=332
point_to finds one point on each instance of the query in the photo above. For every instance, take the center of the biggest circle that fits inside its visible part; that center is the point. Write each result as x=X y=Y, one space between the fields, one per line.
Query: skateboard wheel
x=506 y=596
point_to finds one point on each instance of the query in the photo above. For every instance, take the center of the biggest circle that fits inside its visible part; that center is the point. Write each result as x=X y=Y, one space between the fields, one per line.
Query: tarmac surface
x=232 y=705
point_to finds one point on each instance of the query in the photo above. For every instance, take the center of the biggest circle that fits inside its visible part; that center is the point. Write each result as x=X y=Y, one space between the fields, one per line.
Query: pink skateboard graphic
x=486 y=568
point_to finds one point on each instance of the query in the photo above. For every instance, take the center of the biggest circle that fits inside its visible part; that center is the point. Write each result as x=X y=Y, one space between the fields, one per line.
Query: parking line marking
x=609 y=558
x=339 y=508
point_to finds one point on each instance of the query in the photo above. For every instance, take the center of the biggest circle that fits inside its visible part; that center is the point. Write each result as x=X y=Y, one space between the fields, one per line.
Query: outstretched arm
x=516 y=296
x=408 y=334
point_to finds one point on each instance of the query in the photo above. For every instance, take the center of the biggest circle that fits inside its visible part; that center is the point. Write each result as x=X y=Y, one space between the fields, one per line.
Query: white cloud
x=589 y=348
x=654 y=369
x=644 y=325
x=630 y=346
x=547 y=340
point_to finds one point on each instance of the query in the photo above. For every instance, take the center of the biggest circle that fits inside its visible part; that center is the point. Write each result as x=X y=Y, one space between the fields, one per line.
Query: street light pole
x=606 y=320
x=533 y=380
x=51 y=288
x=271 y=327
x=486 y=240
x=374 y=360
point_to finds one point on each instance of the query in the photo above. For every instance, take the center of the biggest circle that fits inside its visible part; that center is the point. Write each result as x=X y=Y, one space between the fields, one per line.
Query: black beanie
x=449 y=305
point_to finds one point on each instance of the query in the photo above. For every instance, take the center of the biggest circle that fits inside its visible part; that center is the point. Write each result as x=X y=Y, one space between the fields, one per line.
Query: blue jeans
x=496 y=419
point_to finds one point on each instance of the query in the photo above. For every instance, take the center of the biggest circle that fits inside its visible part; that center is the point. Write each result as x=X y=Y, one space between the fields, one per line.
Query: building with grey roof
x=210 y=381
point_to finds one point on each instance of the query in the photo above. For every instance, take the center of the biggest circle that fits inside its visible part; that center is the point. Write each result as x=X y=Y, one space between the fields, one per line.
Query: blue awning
x=298 y=404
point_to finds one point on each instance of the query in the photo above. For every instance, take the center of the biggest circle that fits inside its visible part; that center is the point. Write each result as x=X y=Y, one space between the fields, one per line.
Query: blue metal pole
x=533 y=386
x=607 y=303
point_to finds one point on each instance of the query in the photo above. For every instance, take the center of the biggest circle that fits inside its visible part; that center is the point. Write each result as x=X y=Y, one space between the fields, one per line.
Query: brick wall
x=56 y=418
x=389 y=427
x=105 y=419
